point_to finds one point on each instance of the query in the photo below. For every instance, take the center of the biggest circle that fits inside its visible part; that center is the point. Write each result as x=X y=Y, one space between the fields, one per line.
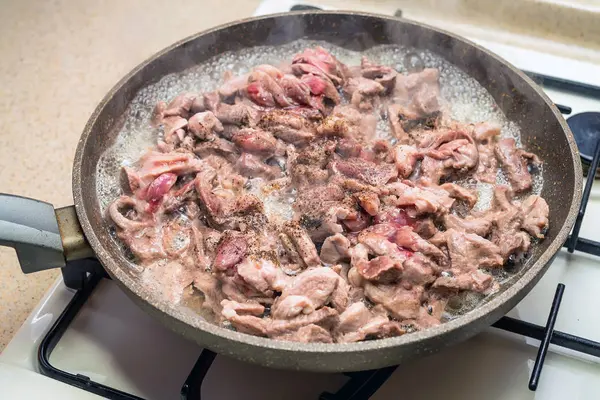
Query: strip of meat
x=203 y=124
x=425 y=200
x=477 y=281
x=514 y=163
x=409 y=239
x=469 y=252
x=304 y=245
x=460 y=193
x=261 y=274
x=180 y=105
x=536 y=212
x=255 y=141
x=366 y=171
x=470 y=224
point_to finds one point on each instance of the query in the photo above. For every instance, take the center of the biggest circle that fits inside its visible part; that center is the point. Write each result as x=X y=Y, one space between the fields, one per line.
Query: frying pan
x=46 y=238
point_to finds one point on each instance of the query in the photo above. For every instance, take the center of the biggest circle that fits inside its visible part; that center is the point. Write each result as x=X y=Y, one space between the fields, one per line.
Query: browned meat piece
x=401 y=303
x=366 y=171
x=252 y=166
x=514 y=164
x=477 y=281
x=406 y=158
x=469 y=252
x=203 y=124
x=231 y=251
x=255 y=141
x=369 y=202
x=460 y=193
x=470 y=224
x=261 y=275
x=335 y=249
x=321 y=86
x=308 y=334
x=382 y=74
x=425 y=200
x=232 y=86
x=250 y=307
x=411 y=240
x=237 y=114
x=536 y=212
x=420 y=91
x=325 y=317
x=304 y=245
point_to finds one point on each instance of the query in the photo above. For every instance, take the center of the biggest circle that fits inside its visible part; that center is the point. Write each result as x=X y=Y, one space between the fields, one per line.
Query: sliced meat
x=425 y=200
x=180 y=105
x=203 y=124
x=382 y=74
x=303 y=243
x=477 y=281
x=460 y=193
x=536 y=212
x=325 y=317
x=470 y=224
x=366 y=171
x=231 y=251
x=249 y=307
x=261 y=275
x=406 y=158
x=309 y=291
x=419 y=91
x=252 y=166
x=335 y=249
x=308 y=334
x=401 y=303
x=321 y=86
x=469 y=252
x=255 y=141
x=237 y=114
x=407 y=238
x=295 y=89
x=514 y=163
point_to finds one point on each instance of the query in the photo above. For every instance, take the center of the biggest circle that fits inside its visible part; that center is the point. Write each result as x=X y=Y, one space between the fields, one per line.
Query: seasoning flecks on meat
x=283 y=202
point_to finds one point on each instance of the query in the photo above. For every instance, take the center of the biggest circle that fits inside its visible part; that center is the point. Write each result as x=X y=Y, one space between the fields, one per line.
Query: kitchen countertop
x=59 y=58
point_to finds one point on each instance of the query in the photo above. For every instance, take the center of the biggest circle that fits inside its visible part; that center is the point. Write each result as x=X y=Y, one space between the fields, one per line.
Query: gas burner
x=586 y=129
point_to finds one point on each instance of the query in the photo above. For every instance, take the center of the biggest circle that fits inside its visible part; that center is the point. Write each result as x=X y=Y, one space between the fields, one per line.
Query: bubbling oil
x=462 y=96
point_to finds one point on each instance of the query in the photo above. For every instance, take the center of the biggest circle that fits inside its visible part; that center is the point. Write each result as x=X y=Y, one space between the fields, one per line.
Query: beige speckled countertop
x=58 y=58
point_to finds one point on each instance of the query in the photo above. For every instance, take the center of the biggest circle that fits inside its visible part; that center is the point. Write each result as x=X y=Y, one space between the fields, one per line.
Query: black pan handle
x=44 y=238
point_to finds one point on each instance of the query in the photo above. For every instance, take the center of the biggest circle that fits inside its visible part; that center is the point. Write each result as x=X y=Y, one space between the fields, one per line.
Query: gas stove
x=93 y=341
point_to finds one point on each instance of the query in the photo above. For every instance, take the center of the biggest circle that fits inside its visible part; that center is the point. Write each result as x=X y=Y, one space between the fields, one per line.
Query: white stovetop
x=115 y=343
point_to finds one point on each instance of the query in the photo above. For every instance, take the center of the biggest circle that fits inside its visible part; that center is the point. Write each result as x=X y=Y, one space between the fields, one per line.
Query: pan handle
x=43 y=237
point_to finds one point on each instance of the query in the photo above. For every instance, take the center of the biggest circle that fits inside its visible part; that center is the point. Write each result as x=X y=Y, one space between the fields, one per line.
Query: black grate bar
x=543 y=349
x=561 y=339
x=564 y=109
x=586 y=246
x=362 y=385
x=584 y=201
x=565 y=84
x=192 y=388
x=57 y=331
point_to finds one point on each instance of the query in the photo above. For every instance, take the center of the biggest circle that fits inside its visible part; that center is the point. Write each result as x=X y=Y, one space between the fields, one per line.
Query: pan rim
x=504 y=301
